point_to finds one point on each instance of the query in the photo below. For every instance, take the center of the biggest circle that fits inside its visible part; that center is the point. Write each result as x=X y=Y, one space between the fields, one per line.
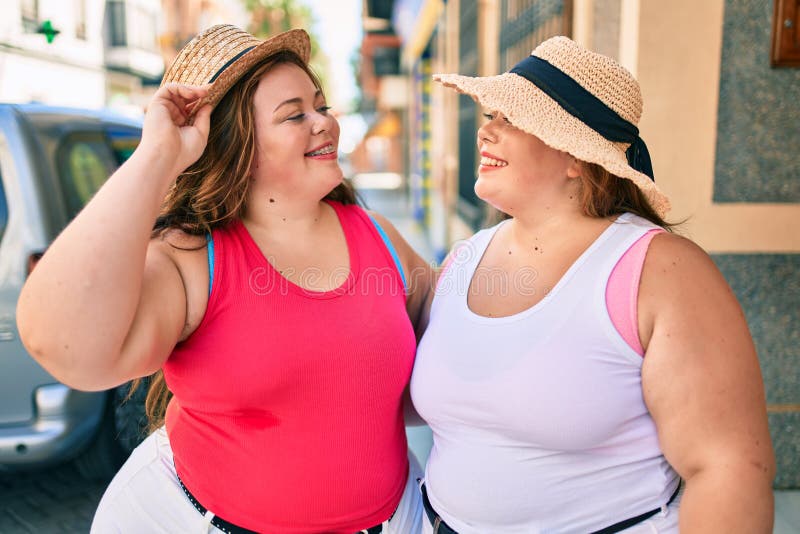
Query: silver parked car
x=52 y=160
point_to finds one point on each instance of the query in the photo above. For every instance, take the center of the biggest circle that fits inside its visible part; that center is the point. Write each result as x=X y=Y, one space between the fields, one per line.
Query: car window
x=123 y=141
x=81 y=153
x=83 y=161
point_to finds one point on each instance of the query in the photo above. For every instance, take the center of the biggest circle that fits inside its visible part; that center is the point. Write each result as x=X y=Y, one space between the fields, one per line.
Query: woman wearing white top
x=550 y=412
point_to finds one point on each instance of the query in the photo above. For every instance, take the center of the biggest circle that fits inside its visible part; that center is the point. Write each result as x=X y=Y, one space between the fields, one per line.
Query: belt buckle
x=436 y=523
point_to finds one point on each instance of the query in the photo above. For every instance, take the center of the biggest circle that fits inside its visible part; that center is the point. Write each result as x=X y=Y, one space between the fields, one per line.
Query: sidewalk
x=394 y=206
x=787 y=512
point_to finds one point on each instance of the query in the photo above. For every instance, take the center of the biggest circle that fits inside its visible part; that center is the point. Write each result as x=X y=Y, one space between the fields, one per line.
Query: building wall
x=758 y=109
x=183 y=19
x=420 y=140
x=758 y=161
x=730 y=164
x=444 y=228
x=74 y=69
x=69 y=71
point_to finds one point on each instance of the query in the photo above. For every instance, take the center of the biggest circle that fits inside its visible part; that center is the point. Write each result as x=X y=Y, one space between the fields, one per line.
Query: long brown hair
x=212 y=192
x=603 y=194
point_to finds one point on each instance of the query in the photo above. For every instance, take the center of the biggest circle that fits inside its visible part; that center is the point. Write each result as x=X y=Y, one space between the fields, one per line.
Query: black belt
x=440 y=527
x=622 y=525
x=230 y=528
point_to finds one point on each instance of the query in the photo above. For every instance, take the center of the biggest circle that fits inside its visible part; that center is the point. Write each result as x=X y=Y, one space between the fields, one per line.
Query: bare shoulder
x=672 y=251
x=386 y=225
x=185 y=251
x=189 y=254
x=675 y=263
x=419 y=274
x=678 y=279
x=412 y=261
x=173 y=240
x=684 y=299
x=403 y=249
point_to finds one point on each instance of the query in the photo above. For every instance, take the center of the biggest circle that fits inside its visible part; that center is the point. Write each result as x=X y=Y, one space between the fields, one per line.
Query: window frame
x=29 y=13
x=785 y=50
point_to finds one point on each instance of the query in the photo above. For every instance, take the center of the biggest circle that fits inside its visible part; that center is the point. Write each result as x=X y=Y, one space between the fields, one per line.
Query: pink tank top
x=287 y=408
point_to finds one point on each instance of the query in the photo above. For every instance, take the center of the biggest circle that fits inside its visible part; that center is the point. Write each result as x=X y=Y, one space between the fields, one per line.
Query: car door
x=21 y=233
x=51 y=164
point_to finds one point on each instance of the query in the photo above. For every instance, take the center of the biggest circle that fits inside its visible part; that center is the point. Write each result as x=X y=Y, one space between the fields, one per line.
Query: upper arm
x=418 y=273
x=160 y=315
x=700 y=377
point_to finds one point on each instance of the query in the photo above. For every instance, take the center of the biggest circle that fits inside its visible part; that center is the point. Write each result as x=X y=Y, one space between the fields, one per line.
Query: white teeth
x=493 y=162
x=324 y=150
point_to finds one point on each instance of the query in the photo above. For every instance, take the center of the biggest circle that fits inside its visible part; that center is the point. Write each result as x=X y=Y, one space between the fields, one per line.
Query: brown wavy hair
x=212 y=192
x=603 y=194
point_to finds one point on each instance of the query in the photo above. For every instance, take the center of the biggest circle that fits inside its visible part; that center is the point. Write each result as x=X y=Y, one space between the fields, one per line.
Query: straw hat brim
x=529 y=109
x=296 y=41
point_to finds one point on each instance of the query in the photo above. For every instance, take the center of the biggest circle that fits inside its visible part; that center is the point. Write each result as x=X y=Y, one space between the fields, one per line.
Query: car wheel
x=123 y=427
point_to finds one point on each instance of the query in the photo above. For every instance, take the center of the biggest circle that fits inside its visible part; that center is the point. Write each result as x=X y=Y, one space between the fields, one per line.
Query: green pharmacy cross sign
x=48 y=30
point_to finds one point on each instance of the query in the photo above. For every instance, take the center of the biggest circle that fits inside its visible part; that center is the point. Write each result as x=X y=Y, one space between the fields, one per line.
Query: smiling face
x=517 y=167
x=296 y=137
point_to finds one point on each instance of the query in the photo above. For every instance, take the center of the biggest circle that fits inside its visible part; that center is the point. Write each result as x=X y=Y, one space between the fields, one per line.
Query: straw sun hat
x=223 y=53
x=576 y=101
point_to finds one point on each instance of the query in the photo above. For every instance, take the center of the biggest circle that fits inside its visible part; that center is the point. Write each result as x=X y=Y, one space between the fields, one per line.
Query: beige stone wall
x=674 y=49
x=677 y=62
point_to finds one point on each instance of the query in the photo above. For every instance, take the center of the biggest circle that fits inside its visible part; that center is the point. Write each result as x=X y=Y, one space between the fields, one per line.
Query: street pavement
x=55 y=500
x=787 y=512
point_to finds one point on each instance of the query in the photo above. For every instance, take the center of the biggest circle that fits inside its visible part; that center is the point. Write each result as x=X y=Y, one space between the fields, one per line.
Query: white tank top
x=538 y=419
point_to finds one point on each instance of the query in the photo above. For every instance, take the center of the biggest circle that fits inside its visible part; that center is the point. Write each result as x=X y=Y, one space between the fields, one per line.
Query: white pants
x=145 y=496
x=664 y=522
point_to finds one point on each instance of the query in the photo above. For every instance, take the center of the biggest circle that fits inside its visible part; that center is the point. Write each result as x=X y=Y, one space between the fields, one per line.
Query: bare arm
x=703 y=387
x=419 y=275
x=103 y=305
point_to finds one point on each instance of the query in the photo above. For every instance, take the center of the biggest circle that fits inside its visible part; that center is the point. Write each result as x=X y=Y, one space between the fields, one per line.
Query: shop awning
x=414 y=21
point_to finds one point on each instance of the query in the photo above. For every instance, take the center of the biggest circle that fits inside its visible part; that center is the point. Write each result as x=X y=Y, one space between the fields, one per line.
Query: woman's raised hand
x=173 y=129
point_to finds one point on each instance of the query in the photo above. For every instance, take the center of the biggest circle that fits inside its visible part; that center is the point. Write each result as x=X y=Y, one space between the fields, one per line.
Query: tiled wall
x=758 y=161
x=758 y=141
x=768 y=288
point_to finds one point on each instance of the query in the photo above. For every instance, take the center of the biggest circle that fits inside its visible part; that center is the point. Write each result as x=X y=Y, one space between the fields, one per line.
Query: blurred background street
x=721 y=85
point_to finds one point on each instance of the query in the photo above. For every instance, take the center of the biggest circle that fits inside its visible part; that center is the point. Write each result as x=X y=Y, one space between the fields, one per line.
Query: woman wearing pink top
x=276 y=308
x=572 y=375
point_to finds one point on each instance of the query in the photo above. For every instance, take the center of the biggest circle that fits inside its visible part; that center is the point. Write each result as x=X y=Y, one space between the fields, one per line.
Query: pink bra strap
x=622 y=291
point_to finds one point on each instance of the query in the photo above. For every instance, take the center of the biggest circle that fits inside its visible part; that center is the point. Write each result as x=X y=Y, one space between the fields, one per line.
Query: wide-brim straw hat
x=223 y=53
x=533 y=111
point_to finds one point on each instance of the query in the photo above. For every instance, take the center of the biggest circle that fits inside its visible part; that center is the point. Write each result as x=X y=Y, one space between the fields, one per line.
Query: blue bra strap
x=392 y=251
x=210 y=249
